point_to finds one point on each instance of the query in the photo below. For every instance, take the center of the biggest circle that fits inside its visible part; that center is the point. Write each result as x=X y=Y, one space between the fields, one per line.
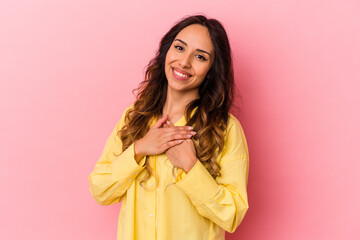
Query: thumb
x=170 y=124
x=160 y=122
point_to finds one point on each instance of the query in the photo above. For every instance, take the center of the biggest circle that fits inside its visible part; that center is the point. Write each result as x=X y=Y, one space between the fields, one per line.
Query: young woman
x=177 y=157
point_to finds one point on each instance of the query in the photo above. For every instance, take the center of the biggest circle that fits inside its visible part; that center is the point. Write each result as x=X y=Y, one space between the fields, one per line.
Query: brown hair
x=216 y=95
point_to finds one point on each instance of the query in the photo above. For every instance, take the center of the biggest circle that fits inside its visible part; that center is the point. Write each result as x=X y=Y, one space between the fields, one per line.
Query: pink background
x=67 y=69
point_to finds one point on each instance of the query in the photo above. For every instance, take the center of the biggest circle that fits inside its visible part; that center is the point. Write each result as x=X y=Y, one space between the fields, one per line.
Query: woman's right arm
x=112 y=175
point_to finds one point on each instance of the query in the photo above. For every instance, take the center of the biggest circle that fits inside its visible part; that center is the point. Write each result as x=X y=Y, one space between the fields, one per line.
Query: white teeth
x=180 y=74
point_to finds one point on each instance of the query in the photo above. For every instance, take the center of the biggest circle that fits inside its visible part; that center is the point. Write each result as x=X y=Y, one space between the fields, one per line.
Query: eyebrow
x=200 y=50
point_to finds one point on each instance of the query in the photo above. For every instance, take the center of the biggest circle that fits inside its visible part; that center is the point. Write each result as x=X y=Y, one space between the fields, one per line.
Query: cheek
x=202 y=71
x=170 y=56
x=167 y=58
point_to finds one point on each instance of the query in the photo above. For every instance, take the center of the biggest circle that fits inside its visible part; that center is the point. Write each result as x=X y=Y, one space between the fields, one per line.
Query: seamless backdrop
x=67 y=69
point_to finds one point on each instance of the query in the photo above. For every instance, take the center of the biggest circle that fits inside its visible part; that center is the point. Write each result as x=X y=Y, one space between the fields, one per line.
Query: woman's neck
x=176 y=102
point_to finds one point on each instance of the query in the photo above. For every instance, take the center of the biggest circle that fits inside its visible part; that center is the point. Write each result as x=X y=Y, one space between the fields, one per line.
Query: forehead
x=196 y=36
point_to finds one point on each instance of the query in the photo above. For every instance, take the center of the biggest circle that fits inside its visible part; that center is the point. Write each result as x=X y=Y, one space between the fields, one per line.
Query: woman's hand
x=182 y=155
x=158 y=139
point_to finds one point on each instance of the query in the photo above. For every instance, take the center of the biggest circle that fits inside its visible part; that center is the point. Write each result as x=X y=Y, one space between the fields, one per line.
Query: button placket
x=151 y=203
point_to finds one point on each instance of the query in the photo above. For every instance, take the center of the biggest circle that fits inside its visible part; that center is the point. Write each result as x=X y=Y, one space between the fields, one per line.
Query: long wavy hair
x=216 y=92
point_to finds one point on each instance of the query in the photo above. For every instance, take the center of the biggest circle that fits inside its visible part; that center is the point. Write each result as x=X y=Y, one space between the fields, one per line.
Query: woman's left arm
x=223 y=200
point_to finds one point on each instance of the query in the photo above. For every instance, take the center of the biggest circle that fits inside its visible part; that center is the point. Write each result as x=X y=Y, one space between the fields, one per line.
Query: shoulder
x=121 y=122
x=234 y=124
x=234 y=134
x=235 y=144
x=128 y=108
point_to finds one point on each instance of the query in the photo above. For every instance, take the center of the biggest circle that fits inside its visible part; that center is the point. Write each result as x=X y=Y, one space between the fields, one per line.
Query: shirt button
x=150 y=184
x=129 y=180
x=150 y=214
x=136 y=172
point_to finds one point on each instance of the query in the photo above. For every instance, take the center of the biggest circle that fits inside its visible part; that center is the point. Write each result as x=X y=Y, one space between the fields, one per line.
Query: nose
x=185 y=61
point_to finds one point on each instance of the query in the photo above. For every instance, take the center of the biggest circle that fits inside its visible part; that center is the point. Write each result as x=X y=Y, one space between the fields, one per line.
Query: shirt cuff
x=198 y=183
x=125 y=166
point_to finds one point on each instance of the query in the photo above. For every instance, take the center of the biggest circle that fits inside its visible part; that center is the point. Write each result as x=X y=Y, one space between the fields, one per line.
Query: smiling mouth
x=179 y=75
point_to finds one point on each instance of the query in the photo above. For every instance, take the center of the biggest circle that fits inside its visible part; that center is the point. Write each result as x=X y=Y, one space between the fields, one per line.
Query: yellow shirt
x=195 y=207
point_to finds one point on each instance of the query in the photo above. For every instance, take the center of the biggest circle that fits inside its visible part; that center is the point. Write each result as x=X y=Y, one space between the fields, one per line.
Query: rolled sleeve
x=222 y=200
x=113 y=175
x=126 y=167
x=198 y=184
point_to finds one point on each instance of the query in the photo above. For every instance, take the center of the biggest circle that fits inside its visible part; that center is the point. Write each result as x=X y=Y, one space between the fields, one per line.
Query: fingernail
x=168 y=122
x=189 y=135
x=190 y=128
x=193 y=133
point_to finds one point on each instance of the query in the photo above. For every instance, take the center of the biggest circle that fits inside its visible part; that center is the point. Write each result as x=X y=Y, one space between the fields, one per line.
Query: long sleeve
x=112 y=175
x=223 y=200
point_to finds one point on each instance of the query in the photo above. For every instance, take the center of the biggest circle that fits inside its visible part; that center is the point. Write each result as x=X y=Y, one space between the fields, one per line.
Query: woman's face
x=189 y=58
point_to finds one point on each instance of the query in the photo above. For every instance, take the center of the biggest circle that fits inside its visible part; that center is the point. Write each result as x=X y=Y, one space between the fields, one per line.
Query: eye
x=179 y=47
x=201 y=57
